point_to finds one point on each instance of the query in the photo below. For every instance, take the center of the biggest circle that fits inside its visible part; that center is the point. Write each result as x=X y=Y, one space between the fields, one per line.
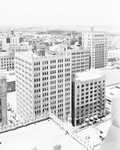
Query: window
x=53 y=72
x=60 y=91
x=53 y=92
x=53 y=77
x=60 y=75
x=53 y=67
x=53 y=61
x=45 y=62
x=60 y=60
x=67 y=69
x=67 y=64
x=67 y=74
x=67 y=59
x=60 y=70
x=53 y=82
x=60 y=65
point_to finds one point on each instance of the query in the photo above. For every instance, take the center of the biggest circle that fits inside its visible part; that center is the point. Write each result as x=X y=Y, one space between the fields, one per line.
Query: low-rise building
x=6 y=61
x=88 y=97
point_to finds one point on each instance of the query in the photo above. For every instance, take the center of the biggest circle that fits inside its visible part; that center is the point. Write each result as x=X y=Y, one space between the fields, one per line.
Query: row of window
x=51 y=61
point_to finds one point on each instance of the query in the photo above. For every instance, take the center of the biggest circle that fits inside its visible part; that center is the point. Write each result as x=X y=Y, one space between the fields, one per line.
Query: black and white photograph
x=59 y=75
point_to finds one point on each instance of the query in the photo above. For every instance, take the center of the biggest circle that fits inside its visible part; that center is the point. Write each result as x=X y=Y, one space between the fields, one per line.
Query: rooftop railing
x=63 y=125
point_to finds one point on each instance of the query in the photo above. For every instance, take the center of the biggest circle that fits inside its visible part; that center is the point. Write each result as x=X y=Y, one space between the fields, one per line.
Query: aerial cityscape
x=59 y=76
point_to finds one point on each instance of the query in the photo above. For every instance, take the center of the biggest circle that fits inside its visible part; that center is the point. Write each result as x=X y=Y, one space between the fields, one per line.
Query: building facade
x=97 y=44
x=6 y=61
x=3 y=100
x=88 y=97
x=79 y=59
x=43 y=83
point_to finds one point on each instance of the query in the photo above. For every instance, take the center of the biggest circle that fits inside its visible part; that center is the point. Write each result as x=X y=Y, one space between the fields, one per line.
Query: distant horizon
x=114 y=29
x=59 y=13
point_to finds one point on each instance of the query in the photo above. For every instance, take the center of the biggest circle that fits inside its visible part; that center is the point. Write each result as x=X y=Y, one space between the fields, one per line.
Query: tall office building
x=96 y=41
x=43 y=83
x=3 y=100
x=79 y=59
x=88 y=97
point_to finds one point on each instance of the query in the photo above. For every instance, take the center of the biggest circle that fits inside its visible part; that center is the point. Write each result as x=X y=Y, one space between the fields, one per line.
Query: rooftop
x=104 y=127
x=11 y=78
x=30 y=54
x=92 y=134
x=112 y=75
x=112 y=90
x=4 y=54
x=43 y=135
x=117 y=52
x=85 y=76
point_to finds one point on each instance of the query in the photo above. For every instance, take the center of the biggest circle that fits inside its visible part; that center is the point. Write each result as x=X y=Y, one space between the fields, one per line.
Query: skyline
x=59 y=13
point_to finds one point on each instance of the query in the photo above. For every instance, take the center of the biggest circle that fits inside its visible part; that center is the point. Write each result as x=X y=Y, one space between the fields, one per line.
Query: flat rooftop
x=117 y=52
x=11 y=78
x=85 y=76
x=112 y=90
x=30 y=54
x=104 y=127
x=5 y=54
x=92 y=134
x=112 y=75
x=42 y=136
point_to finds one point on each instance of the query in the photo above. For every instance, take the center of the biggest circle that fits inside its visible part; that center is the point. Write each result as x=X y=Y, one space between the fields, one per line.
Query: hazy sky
x=60 y=12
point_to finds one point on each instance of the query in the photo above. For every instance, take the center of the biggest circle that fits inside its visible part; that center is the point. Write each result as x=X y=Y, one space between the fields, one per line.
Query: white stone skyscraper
x=43 y=83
